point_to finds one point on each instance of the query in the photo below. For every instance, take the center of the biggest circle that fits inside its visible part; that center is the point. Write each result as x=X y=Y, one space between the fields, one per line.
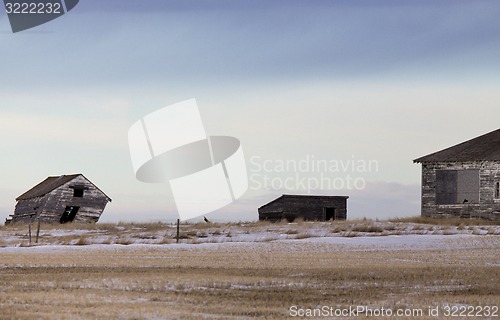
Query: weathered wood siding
x=306 y=207
x=487 y=208
x=51 y=207
x=28 y=210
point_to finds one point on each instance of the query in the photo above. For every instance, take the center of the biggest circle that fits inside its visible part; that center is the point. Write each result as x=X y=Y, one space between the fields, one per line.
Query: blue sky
x=383 y=80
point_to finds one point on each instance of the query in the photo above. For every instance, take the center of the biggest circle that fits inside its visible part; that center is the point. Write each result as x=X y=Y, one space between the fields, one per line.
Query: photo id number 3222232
x=33 y=8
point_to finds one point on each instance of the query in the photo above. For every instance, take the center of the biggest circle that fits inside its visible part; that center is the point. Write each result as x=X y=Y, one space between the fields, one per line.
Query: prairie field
x=77 y=272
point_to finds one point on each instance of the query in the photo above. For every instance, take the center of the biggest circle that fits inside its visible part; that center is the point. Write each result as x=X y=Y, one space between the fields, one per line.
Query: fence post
x=38 y=231
x=177 y=237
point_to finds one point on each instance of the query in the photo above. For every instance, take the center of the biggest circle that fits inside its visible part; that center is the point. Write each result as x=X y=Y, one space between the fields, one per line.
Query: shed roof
x=485 y=147
x=50 y=184
x=298 y=196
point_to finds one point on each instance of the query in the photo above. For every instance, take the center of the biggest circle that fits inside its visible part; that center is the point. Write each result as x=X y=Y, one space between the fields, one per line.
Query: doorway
x=329 y=214
x=69 y=214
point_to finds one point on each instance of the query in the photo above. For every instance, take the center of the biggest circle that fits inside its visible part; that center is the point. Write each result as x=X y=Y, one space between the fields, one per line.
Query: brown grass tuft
x=82 y=241
x=447 y=222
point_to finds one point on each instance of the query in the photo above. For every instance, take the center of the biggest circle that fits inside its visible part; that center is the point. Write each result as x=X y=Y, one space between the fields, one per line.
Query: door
x=329 y=213
x=69 y=214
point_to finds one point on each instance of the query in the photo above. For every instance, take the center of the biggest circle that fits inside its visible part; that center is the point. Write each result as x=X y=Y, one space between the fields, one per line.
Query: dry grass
x=260 y=231
x=367 y=228
x=82 y=241
x=303 y=236
x=243 y=281
x=447 y=222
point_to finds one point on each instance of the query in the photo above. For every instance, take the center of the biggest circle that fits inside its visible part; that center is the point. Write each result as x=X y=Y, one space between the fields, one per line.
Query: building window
x=78 y=193
x=497 y=190
x=457 y=186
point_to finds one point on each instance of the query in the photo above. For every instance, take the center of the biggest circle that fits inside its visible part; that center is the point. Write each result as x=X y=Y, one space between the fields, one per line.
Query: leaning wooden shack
x=61 y=199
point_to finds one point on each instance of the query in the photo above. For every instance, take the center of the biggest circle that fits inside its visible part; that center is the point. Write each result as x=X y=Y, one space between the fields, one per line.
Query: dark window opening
x=69 y=214
x=329 y=214
x=457 y=186
x=497 y=190
x=78 y=193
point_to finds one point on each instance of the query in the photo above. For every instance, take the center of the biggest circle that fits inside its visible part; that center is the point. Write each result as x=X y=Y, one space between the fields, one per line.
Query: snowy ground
x=329 y=244
x=164 y=234
x=348 y=232
x=245 y=271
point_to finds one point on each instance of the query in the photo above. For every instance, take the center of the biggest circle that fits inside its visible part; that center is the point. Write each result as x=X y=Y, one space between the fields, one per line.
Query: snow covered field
x=158 y=233
x=362 y=243
x=259 y=271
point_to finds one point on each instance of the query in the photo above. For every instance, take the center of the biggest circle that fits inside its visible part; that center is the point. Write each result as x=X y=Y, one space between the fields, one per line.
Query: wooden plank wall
x=308 y=208
x=488 y=207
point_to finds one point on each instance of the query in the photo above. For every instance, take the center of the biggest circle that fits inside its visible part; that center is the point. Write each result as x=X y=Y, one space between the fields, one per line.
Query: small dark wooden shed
x=463 y=180
x=307 y=207
x=61 y=199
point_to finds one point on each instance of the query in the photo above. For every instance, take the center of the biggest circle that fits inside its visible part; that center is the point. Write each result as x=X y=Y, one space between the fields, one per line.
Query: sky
x=304 y=83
